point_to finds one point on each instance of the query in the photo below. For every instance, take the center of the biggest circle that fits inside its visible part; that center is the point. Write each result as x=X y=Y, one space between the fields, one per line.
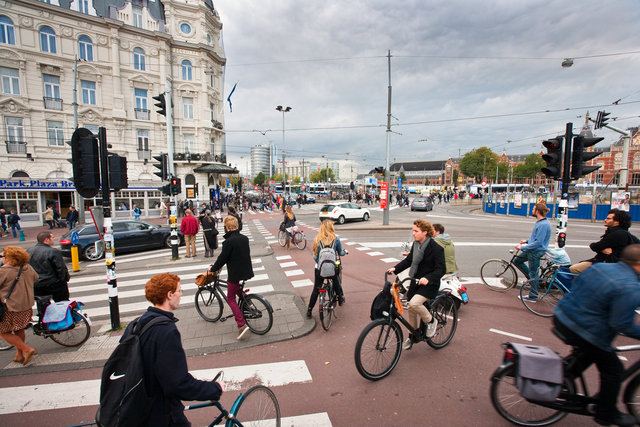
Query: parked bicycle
x=297 y=238
x=379 y=345
x=258 y=406
x=328 y=298
x=550 y=291
x=255 y=308
x=574 y=396
x=500 y=275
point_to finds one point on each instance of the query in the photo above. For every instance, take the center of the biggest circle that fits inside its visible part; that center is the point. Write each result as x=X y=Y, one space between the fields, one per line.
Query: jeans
x=317 y=284
x=15 y=226
x=234 y=290
x=72 y=224
x=532 y=257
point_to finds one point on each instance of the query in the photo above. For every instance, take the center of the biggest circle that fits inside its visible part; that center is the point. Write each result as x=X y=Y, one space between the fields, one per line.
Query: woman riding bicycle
x=426 y=263
x=326 y=238
x=289 y=223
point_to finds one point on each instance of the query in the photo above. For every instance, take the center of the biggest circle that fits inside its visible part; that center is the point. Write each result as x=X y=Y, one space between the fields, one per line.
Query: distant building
x=260 y=160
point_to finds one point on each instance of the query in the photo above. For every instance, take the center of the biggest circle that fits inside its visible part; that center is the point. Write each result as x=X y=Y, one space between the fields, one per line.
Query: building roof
x=433 y=165
x=215 y=168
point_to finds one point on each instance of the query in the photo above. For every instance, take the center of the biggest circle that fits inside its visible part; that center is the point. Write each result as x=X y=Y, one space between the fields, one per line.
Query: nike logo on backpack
x=115 y=377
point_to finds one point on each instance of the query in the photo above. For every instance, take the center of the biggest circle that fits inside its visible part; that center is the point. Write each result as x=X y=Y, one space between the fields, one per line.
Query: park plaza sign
x=35 y=184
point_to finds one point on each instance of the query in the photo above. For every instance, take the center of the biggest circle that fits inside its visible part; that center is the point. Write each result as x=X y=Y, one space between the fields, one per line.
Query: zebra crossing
x=82 y=393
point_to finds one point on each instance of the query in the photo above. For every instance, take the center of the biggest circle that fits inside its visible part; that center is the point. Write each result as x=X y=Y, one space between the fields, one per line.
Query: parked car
x=421 y=204
x=344 y=212
x=128 y=236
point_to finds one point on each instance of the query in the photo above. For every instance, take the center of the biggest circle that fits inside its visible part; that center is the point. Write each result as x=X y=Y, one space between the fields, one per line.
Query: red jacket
x=189 y=225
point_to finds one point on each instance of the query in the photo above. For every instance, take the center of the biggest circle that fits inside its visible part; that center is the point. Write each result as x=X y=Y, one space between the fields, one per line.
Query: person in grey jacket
x=52 y=271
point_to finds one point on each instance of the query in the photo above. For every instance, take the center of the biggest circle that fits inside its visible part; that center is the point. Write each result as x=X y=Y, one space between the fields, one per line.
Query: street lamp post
x=284 y=180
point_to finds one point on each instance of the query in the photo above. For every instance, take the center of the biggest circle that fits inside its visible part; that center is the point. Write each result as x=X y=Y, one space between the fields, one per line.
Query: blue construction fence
x=583 y=211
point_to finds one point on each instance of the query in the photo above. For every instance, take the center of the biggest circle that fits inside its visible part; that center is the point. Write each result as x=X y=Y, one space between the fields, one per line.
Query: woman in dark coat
x=427 y=266
x=210 y=230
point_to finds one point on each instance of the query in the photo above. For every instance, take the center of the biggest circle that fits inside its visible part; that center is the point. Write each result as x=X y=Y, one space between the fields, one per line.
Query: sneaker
x=309 y=313
x=407 y=344
x=341 y=300
x=242 y=331
x=431 y=328
x=530 y=299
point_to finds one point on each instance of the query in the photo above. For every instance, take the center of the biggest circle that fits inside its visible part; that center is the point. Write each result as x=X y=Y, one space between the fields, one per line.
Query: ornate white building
x=126 y=50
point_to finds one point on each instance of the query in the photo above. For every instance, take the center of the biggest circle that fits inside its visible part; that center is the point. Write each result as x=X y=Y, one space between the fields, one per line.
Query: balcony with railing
x=52 y=103
x=16 y=147
x=142 y=114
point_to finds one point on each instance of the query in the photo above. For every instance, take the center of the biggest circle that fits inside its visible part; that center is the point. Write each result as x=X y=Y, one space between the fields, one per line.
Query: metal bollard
x=21 y=234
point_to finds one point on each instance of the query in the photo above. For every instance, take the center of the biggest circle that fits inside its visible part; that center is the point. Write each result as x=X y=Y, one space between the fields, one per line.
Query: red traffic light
x=553 y=144
x=174 y=181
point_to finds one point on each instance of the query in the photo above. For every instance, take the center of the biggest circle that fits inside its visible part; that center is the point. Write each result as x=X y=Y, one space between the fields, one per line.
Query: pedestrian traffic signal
x=601 y=119
x=161 y=104
x=553 y=158
x=118 y=172
x=85 y=158
x=195 y=188
x=579 y=157
x=176 y=186
x=163 y=165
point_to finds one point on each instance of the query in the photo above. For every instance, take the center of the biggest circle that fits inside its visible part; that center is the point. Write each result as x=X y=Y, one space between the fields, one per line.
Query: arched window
x=139 y=59
x=186 y=70
x=7 y=32
x=85 y=48
x=19 y=174
x=47 y=40
x=189 y=179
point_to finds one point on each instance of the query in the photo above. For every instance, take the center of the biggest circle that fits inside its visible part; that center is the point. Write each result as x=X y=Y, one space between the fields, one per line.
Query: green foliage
x=403 y=177
x=323 y=175
x=260 y=179
x=479 y=163
x=530 y=168
x=456 y=175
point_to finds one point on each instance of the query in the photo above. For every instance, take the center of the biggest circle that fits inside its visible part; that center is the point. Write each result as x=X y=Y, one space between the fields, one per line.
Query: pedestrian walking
x=13 y=221
x=53 y=274
x=48 y=216
x=189 y=227
x=3 y=223
x=210 y=230
x=136 y=212
x=16 y=287
x=72 y=217
x=234 y=213
x=163 y=209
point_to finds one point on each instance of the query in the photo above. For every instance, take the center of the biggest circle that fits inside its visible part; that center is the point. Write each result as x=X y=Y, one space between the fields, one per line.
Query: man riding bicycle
x=426 y=263
x=602 y=304
x=534 y=249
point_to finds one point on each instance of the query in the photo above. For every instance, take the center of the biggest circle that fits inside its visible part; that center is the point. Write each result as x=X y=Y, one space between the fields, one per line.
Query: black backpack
x=124 y=400
x=382 y=302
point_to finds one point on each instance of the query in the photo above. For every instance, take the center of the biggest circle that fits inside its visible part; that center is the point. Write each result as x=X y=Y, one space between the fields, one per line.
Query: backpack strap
x=136 y=327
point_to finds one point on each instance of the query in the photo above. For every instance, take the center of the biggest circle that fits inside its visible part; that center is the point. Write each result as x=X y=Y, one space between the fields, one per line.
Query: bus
x=501 y=188
x=317 y=188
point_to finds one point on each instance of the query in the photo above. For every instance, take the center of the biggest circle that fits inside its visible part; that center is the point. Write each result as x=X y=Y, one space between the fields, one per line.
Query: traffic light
x=118 y=172
x=195 y=188
x=166 y=189
x=579 y=157
x=163 y=166
x=161 y=104
x=85 y=158
x=380 y=170
x=176 y=186
x=553 y=158
x=601 y=119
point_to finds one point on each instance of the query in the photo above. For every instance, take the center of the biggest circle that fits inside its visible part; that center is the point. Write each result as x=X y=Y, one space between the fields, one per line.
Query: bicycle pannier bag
x=327 y=260
x=58 y=316
x=124 y=400
x=539 y=373
x=381 y=302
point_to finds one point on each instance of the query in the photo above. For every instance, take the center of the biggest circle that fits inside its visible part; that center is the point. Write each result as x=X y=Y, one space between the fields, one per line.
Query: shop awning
x=215 y=168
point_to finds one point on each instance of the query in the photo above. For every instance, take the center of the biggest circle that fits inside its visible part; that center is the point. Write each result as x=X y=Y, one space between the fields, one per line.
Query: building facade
x=125 y=52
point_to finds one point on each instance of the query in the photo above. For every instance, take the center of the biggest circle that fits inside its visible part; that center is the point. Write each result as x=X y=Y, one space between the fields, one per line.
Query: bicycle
x=327 y=298
x=550 y=291
x=500 y=275
x=574 y=396
x=258 y=406
x=297 y=238
x=379 y=345
x=256 y=310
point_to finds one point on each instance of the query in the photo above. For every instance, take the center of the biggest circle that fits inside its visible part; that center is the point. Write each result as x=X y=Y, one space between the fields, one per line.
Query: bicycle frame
x=218 y=285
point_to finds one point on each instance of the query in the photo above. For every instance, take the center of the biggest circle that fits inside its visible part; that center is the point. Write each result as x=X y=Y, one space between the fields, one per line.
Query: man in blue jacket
x=534 y=249
x=165 y=364
x=601 y=305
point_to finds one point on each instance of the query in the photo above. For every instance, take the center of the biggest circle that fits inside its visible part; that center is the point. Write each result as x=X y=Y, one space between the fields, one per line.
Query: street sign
x=483 y=184
x=384 y=189
x=75 y=238
x=304 y=187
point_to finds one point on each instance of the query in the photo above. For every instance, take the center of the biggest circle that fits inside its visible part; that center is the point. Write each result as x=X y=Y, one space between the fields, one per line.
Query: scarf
x=418 y=254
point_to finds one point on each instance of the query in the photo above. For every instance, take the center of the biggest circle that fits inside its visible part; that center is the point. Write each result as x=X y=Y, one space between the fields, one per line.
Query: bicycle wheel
x=506 y=399
x=632 y=397
x=5 y=345
x=208 y=304
x=498 y=275
x=76 y=334
x=325 y=308
x=548 y=296
x=282 y=238
x=445 y=311
x=378 y=349
x=257 y=407
x=257 y=313
x=299 y=240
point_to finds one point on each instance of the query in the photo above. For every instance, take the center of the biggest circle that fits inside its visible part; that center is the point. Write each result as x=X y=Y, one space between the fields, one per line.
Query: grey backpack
x=327 y=260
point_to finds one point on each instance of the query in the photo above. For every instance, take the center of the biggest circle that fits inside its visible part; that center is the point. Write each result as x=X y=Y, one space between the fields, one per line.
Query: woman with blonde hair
x=326 y=238
x=289 y=223
x=16 y=269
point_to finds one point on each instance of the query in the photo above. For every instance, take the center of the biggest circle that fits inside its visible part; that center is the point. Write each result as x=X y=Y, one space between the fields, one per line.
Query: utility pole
x=563 y=205
x=172 y=172
x=385 y=213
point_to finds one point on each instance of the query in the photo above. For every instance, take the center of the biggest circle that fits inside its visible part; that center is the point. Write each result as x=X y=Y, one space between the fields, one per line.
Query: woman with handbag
x=210 y=230
x=16 y=294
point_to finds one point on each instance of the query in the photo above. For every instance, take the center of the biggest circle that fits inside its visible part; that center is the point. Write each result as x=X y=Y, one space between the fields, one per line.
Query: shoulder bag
x=3 y=303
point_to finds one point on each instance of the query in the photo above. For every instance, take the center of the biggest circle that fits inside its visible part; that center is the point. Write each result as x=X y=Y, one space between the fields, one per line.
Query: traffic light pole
x=385 y=212
x=109 y=247
x=172 y=172
x=563 y=205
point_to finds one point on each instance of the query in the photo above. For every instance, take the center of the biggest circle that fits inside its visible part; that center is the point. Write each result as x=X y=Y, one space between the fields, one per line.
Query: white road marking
x=283 y=257
x=520 y=337
x=288 y=264
x=374 y=253
x=363 y=248
x=302 y=283
x=387 y=260
x=289 y=273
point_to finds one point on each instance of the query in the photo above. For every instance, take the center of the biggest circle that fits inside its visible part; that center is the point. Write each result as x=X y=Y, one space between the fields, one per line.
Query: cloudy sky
x=464 y=74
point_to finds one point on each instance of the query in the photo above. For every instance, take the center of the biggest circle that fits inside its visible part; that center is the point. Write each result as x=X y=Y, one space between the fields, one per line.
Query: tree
x=315 y=176
x=479 y=163
x=403 y=177
x=455 y=177
x=278 y=177
x=426 y=181
x=259 y=179
x=296 y=180
x=530 y=168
